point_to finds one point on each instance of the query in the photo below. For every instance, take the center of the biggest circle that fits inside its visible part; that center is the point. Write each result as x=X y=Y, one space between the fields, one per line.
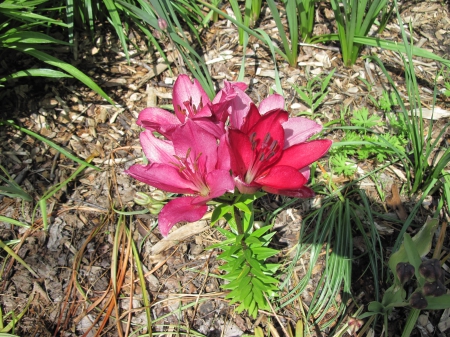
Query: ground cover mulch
x=72 y=288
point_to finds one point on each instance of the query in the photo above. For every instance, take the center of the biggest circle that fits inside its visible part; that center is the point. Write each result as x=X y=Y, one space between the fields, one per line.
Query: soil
x=83 y=272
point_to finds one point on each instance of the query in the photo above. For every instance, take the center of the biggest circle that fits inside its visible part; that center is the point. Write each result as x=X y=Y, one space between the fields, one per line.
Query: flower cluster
x=212 y=147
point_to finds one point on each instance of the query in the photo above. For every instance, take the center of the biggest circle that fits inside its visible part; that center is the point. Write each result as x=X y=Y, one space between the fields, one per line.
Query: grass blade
x=53 y=61
x=18 y=258
x=49 y=143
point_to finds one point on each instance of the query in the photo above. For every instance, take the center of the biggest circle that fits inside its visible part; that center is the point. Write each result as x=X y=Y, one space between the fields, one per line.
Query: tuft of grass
x=20 y=31
x=167 y=11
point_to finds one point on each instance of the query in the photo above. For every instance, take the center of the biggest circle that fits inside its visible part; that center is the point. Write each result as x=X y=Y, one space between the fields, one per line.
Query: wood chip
x=396 y=203
x=180 y=234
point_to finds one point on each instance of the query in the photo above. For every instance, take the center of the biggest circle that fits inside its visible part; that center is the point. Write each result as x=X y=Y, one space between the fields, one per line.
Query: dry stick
x=440 y=243
x=102 y=310
x=75 y=265
x=79 y=259
x=113 y=299
x=130 y=304
x=276 y=316
x=201 y=288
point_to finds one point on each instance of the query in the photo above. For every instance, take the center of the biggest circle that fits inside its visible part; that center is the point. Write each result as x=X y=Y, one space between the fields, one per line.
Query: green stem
x=239 y=227
x=237 y=217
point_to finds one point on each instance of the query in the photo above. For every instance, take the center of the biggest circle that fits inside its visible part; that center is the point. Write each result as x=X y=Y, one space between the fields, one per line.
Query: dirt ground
x=72 y=288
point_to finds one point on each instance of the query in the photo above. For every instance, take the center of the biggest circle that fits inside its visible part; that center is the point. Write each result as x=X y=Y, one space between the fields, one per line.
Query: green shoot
x=315 y=91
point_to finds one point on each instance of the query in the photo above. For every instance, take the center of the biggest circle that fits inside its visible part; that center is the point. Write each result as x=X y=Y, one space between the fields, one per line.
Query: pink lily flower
x=270 y=151
x=190 y=102
x=190 y=163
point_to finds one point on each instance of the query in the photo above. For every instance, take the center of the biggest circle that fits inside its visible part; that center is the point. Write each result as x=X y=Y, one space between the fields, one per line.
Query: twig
x=319 y=46
x=276 y=316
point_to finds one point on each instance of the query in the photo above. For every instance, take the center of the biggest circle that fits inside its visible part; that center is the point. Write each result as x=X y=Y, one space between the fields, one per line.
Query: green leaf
x=14 y=192
x=49 y=143
x=376 y=307
x=243 y=207
x=361 y=118
x=264 y=252
x=253 y=241
x=13 y=222
x=438 y=303
x=390 y=45
x=422 y=242
x=219 y=212
x=249 y=299
x=412 y=254
x=260 y=231
x=36 y=73
x=30 y=37
x=259 y=296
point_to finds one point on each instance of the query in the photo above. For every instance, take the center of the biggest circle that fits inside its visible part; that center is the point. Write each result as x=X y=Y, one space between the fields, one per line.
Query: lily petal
x=156 y=119
x=157 y=150
x=163 y=177
x=241 y=153
x=223 y=152
x=217 y=128
x=177 y=210
x=270 y=123
x=306 y=171
x=232 y=101
x=189 y=99
x=299 y=130
x=271 y=102
x=200 y=144
x=282 y=178
x=303 y=192
x=219 y=182
x=301 y=155
x=245 y=188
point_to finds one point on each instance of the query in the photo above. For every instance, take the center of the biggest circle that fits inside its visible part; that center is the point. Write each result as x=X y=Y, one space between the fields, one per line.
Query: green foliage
x=342 y=165
x=410 y=253
x=306 y=13
x=20 y=32
x=252 y=10
x=362 y=142
x=150 y=13
x=250 y=278
x=422 y=169
x=13 y=320
x=447 y=89
x=315 y=91
x=13 y=190
x=328 y=228
x=362 y=119
x=290 y=46
x=245 y=253
x=386 y=101
x=354 y=18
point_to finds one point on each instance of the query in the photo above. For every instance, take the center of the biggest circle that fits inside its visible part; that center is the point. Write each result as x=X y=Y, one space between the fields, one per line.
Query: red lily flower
x=270 y=151
x=191 y=163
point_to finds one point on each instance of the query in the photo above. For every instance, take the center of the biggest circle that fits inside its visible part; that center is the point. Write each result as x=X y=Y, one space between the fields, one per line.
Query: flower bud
x=405 y=271
x=436 y=288
x=158 y=196
x=142 y=199
x=162 y=24
x=431 y=270
x=156 y=34
x=354 y=325
x=155 y=208
x=418 y=301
